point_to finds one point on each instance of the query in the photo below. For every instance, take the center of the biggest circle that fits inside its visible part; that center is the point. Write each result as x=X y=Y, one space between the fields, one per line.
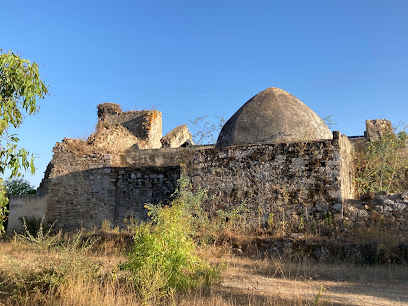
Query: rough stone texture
x=145 y=125
x=114 y=138
x=390 y=209
x=137 y=186
x=293 y=178
x=273 y=116
x=105 y=109
x=85 y=189
x=297 y=178
x=177 y=137
x=376 y=129
x=79 y=189
x=347 y=168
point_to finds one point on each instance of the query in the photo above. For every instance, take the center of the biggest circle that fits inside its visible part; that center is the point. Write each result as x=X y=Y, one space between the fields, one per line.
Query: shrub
x=37 y=234
x=164 y=258
x=382 y=167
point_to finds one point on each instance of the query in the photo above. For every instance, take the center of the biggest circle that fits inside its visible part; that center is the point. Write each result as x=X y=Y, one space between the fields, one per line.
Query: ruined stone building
x=273 y=155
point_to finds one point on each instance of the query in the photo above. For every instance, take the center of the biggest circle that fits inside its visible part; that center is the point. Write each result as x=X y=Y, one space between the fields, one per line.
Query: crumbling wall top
x=178 y=137
x=108 y=108
x=377 y=128
x=145 y=125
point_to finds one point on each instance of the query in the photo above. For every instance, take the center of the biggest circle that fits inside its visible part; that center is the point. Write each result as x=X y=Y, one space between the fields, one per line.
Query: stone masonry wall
x=137 y=186
x=290 y=178
x=84 y=189
x=80 y=189
x=390 y=210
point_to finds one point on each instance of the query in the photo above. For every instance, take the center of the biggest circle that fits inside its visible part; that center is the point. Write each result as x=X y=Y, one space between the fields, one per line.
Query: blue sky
x=194 y=58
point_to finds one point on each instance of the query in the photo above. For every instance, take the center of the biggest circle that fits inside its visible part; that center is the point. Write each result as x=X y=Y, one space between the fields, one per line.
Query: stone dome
x=273 y=116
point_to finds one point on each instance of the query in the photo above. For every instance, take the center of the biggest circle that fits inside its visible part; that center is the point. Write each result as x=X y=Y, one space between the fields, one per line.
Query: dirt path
x=247 y=281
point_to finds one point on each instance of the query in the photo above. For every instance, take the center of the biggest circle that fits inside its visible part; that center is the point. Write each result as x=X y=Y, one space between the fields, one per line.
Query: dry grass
x=87 y=274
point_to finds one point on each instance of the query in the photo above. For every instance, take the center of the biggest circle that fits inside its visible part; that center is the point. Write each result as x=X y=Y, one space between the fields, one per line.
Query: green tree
x=18 y=186
x=20 y=89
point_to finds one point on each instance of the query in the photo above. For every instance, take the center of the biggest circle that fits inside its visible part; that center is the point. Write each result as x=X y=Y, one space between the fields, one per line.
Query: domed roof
x=273 y=116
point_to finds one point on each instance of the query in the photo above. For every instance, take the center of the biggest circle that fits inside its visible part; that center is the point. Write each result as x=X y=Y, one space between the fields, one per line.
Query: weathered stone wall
x=390 y=210
x=137 y=186
x=85 y=189
x=347 y=168
x=145 y=125
x=295 y=178
x=178 y=137
x=378 y=128
x=80 y=189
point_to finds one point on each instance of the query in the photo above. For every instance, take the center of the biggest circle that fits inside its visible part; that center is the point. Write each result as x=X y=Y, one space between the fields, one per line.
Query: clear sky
x=190 y=58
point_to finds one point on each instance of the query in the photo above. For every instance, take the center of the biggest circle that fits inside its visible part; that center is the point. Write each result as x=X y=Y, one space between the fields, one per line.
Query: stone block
x=377 y=128
x=178 y=137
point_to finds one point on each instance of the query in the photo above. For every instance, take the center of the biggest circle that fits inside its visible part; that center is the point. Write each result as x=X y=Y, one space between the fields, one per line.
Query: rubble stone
x=180 y=136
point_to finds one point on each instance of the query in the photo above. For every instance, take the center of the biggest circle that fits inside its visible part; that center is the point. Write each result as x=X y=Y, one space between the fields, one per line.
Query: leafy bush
x=164 y=258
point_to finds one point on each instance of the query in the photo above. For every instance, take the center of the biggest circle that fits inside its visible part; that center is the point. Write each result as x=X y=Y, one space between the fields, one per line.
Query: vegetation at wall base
x=164 y=259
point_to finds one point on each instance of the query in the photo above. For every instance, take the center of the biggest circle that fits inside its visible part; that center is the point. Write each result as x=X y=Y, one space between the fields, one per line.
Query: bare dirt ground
x=262 y=282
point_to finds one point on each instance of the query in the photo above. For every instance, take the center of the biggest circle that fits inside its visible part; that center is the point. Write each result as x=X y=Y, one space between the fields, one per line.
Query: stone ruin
x=378 y=128
x=118 y=131
x=274 y=155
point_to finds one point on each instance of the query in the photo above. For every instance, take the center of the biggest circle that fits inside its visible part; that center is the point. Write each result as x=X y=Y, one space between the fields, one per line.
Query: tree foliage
x=18 y=186
x=20 y=90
